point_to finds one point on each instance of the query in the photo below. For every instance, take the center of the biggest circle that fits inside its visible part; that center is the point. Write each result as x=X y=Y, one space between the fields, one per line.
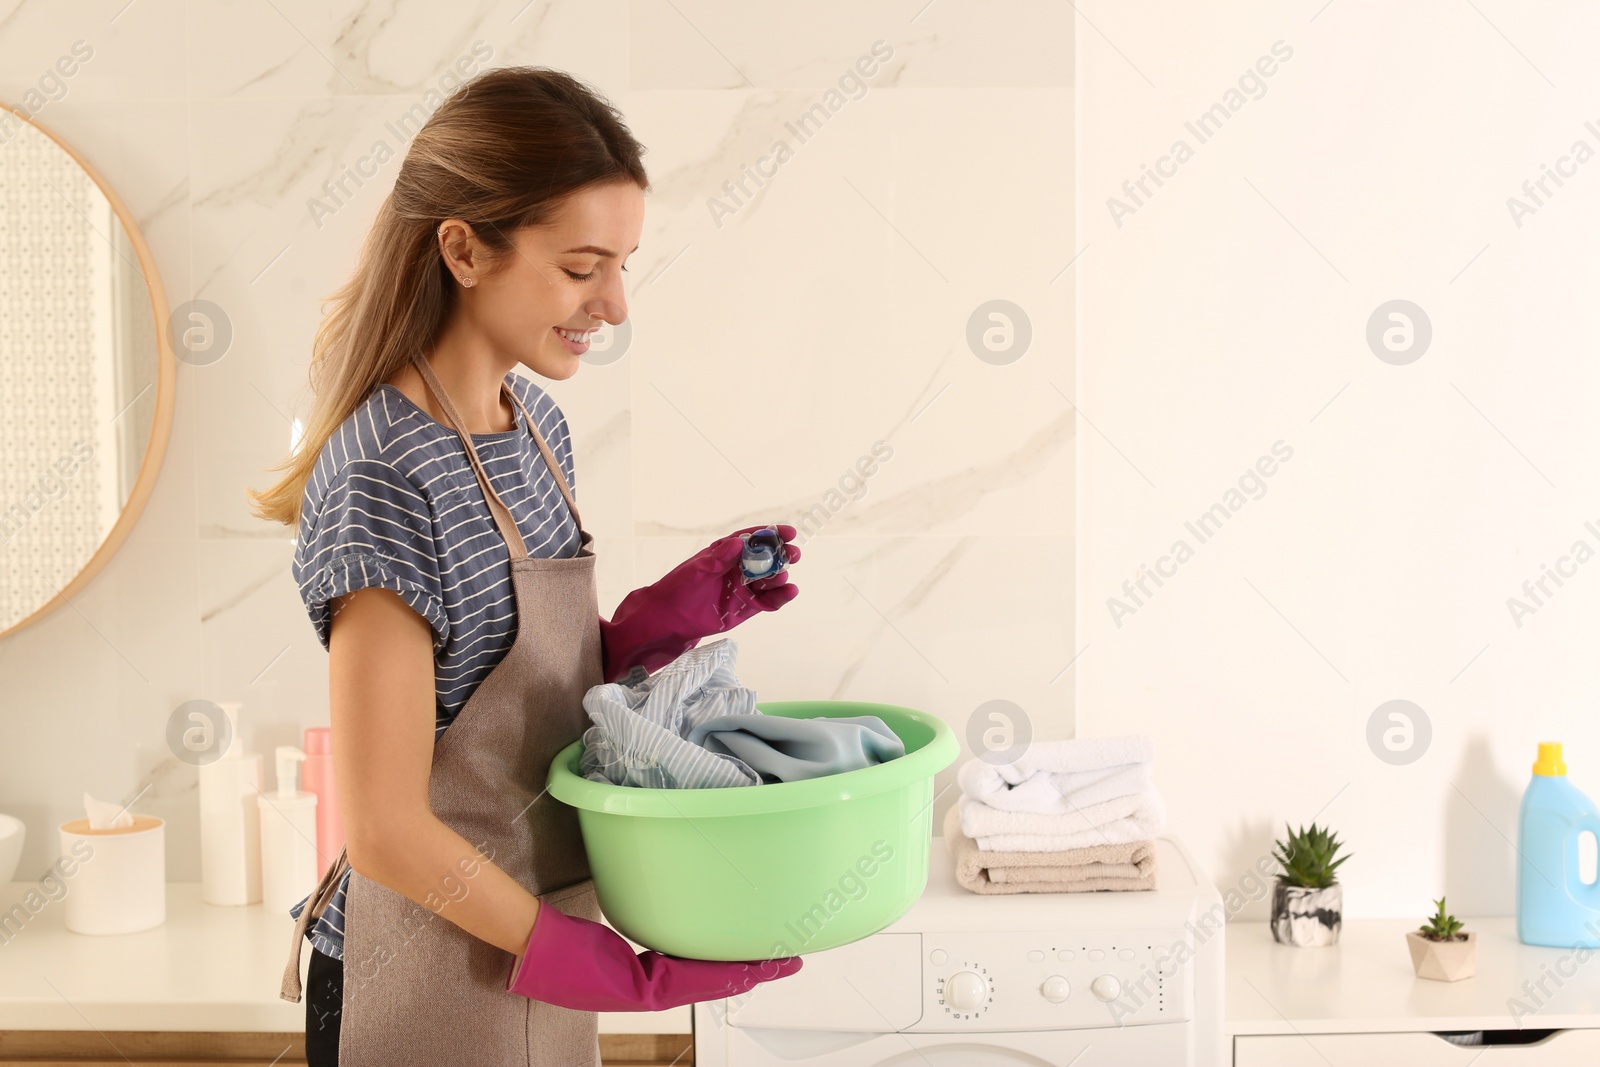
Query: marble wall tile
x=703 y=44
x=310 y=51
x=105 y=51
x=830 y=310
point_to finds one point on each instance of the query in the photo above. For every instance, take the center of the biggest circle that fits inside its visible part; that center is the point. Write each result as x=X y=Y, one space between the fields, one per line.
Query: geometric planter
x=1306 y=917
x=1443 y=961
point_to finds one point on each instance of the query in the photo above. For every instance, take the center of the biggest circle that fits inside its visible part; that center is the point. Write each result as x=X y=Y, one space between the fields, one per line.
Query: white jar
x=119 y=884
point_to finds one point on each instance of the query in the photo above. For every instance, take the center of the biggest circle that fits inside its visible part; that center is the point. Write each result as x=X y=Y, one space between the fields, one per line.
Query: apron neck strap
x=497 y=508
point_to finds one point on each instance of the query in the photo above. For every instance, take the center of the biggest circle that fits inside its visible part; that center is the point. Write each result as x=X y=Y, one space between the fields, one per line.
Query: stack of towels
x=1065 y=817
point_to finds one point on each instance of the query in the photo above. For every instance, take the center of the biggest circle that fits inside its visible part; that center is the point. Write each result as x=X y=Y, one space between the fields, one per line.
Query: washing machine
x=972 y=980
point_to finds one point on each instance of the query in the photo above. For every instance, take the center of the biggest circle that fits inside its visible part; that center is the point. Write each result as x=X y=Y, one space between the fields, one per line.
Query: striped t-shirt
x=393 y=503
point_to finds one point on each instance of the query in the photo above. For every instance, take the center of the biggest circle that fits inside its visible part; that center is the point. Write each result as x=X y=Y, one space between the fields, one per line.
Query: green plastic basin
x=761 y=871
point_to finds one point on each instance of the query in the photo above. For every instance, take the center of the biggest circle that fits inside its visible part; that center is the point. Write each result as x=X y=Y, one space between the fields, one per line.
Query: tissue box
x=120 y=885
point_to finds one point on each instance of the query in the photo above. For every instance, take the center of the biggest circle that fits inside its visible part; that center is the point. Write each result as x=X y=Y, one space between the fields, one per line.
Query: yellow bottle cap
x=1549 y=762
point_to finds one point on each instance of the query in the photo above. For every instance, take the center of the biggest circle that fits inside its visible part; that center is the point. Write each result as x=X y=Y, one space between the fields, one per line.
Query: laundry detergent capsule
x=763 y=555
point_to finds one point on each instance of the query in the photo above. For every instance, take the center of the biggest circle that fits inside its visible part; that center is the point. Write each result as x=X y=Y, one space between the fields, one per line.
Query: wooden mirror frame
x=166 y=386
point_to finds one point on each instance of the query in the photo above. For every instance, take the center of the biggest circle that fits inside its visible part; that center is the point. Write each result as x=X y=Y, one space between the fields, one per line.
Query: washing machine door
x=1131 y=1046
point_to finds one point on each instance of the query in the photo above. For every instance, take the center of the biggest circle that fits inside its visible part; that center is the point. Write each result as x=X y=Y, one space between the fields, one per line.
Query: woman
x=453 y=586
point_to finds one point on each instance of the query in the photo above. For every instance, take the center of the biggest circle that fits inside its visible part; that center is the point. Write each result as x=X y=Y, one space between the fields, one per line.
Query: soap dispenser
x=316 y=776
x=1558 y=900
x=288 y=836
x=230 y=822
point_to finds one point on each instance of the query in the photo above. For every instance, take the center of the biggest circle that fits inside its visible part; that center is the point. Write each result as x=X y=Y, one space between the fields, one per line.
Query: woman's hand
x=704 y=595
x=572 y=962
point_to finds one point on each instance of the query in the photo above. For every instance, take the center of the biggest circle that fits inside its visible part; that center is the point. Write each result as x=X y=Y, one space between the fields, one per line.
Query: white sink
x=12 y=833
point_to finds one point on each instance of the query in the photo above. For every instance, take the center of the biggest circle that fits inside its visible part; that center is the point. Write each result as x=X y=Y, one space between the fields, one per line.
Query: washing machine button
x=1125 y=954
x=1065 y=955
x=938 y=957
x=965 y=991
x=1035 y=956
x=1096 y=954
x=1055 y=989
x=1106 y=987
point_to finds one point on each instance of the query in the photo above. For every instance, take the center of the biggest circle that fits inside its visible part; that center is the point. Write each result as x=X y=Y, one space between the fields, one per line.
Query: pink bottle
x=317 y=777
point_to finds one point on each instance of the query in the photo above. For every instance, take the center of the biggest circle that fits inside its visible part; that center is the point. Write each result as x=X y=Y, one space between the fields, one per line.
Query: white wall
x=1229 y=312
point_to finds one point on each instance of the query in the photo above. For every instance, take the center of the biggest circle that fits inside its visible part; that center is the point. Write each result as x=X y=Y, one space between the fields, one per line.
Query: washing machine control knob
x=965 y=991
x=1106 y=987
x=1055 y=989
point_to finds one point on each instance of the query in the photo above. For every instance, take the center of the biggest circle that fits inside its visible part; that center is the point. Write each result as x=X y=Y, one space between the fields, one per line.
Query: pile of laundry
x=691 y=725
x=1064 y=817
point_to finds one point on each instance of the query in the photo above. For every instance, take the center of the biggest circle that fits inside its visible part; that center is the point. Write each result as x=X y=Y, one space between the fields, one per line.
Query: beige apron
x=418 y=989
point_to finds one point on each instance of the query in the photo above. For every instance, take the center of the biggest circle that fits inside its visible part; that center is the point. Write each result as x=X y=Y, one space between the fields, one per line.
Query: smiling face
x=565 y=275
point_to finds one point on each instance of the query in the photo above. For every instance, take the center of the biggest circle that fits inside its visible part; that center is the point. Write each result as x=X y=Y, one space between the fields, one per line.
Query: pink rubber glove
x=703 y=595
x=574 y=963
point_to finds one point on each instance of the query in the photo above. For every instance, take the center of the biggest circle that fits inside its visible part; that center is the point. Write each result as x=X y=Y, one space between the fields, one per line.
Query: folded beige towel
x=1126 y=867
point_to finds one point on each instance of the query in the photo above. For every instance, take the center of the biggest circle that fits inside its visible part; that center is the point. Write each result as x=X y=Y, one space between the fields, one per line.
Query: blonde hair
x=502 y=152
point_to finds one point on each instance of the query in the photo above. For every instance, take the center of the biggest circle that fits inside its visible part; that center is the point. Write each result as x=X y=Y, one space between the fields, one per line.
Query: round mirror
x=86 y=372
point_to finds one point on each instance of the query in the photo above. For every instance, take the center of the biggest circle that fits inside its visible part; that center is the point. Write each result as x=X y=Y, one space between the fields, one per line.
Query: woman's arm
x=381 y=688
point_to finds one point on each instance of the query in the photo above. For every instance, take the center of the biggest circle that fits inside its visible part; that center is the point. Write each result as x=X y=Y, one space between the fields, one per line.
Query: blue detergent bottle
x=1555 y=906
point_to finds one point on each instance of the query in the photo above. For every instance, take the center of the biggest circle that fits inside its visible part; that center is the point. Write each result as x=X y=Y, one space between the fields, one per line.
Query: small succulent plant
x=1307 y=858
x=1442 y=927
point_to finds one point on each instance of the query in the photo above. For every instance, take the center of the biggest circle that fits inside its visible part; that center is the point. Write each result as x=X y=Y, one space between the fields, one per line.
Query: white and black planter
x=1306 y=917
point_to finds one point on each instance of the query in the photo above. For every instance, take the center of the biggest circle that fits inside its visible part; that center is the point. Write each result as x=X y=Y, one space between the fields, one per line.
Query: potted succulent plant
x=1440 y=950
x=1307 y=901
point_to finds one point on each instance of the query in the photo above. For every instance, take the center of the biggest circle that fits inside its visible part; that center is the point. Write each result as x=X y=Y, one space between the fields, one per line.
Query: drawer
x=1563 y=1048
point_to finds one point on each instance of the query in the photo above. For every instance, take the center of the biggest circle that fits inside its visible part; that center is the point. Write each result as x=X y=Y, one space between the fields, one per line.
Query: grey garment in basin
x=781 y=749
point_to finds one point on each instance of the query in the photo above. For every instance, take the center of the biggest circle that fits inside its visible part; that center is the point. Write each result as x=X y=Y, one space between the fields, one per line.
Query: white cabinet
x=1358 y=1003
x=1565 y=1048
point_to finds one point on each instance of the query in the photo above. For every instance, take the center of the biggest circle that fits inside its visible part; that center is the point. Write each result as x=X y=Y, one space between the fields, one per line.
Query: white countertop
x=219 y=968
x=206 y=968
x=1365 y=983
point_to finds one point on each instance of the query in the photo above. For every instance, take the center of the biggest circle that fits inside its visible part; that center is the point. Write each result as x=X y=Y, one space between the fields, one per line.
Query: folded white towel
x=1138 y=817
x=1051 y=792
